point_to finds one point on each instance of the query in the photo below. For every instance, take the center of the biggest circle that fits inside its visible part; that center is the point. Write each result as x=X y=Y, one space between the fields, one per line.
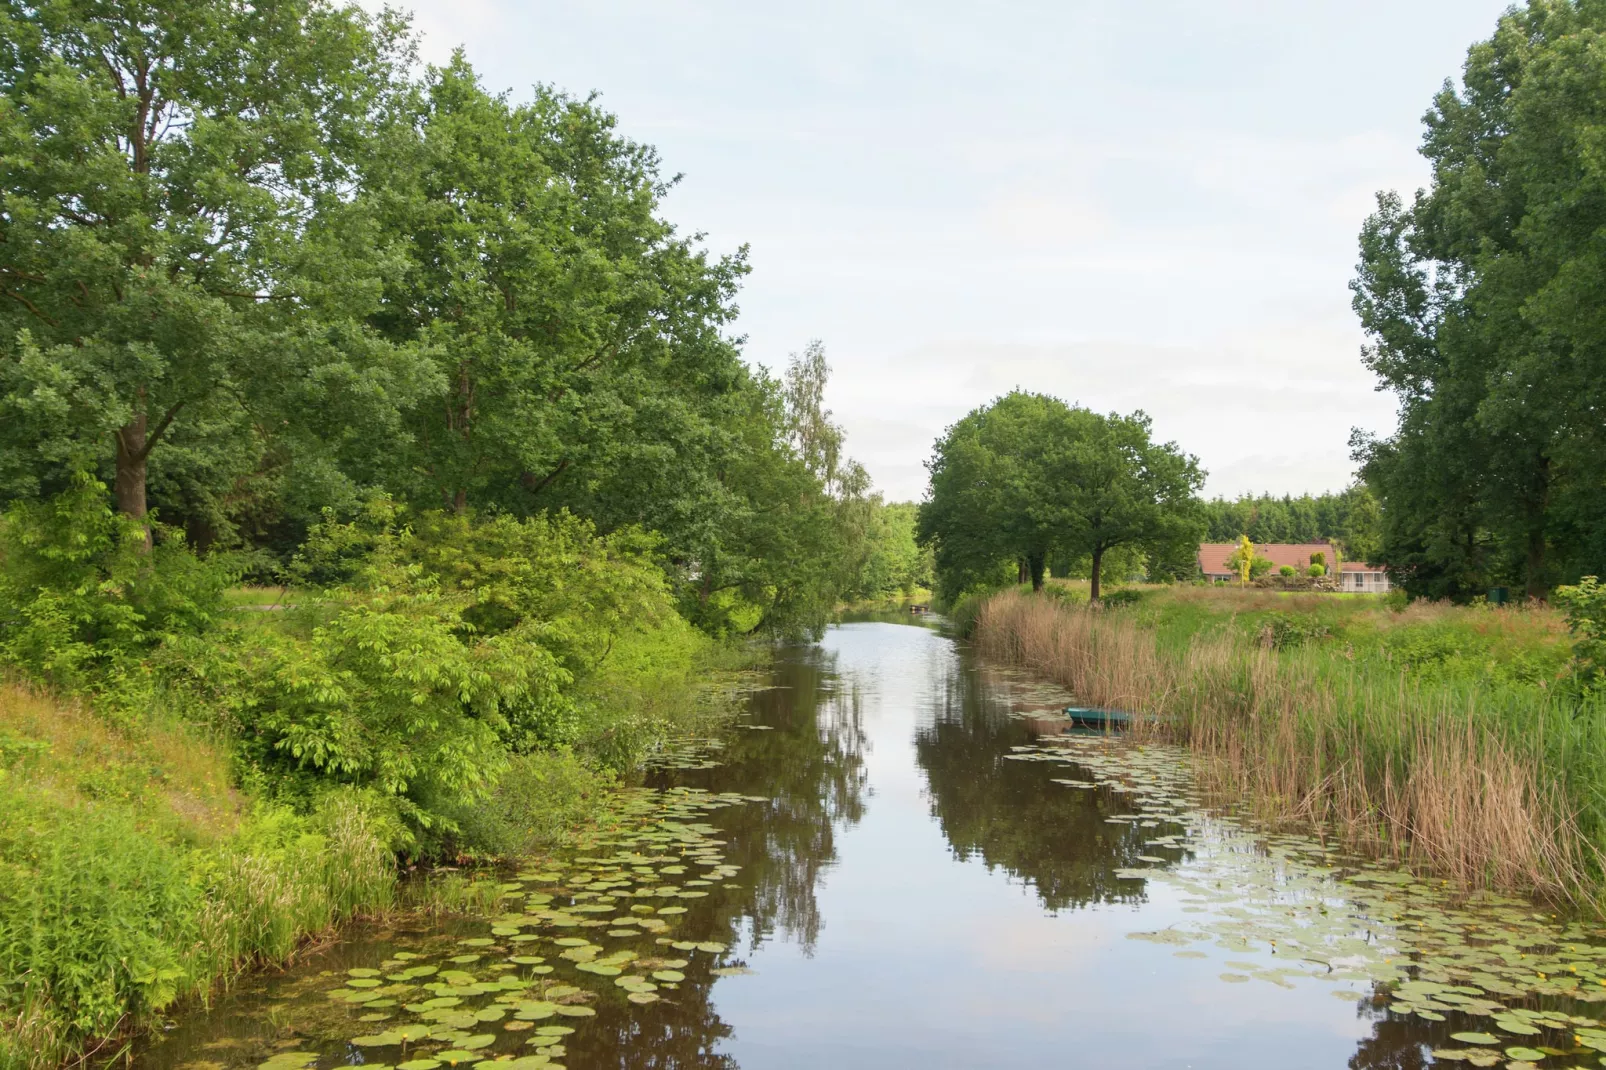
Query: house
x=1352 y=575
x=1359 y=576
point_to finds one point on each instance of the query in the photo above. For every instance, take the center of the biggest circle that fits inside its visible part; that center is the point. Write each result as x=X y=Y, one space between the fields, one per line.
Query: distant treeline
x=1351 y=520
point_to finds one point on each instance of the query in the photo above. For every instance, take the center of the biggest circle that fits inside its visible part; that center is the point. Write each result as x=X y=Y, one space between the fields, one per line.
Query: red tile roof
x=1213 y=555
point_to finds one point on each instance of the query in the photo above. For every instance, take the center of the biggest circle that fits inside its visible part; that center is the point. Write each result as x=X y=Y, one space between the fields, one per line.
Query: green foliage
x=1350 y=519
x=1316 y=571
x=104 y=921
x=1029 y=476
x=80 y=595
x=1125 y=596
x=895 y=563
x=1585 y=604
x=1476 y=295
x=182 y=257
x=537 y=802
x=1281 y=631
x=1288 y=570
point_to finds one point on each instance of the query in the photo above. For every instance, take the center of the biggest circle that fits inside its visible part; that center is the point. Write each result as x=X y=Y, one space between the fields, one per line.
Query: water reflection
x=1009 y=814
x=915 y=889
x=802 y=746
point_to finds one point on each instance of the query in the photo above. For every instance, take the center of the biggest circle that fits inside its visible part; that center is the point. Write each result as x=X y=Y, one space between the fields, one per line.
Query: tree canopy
x=255 y=266
x=1480 y=297
x=1350 y=520
x=1028 y=477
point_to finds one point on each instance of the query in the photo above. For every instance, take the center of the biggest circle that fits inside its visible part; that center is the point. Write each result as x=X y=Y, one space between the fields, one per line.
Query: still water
x=898 y=870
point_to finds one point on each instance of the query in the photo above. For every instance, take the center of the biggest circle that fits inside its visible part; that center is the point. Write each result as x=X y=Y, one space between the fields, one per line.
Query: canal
x=899 y=857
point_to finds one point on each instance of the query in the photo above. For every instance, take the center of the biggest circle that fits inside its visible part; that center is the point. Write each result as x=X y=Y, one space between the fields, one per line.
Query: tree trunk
x=1098 y=563
x=1035 y=563
x=1536 y=563
x=1020 y=571
x=1536 y=506
x=460 y=501
x=129 y=488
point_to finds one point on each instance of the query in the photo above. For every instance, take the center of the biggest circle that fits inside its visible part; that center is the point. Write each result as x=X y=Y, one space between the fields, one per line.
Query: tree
x=1029 y=475
x=1243 y=560
x=576 y=338
x=986 y=483
x=175 y=187
x=1106 y=484
x=1480 y=299
x=1351 y=518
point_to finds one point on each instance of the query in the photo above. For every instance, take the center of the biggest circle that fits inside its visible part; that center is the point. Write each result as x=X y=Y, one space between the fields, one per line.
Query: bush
x=1585 y=605
x=81 y=595
x=1288 y=570
x=1282 y=631
x=1316 y=571
x=538 y=802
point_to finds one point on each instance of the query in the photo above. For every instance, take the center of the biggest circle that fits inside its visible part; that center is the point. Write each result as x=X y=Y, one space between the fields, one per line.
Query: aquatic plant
x=1495 y=785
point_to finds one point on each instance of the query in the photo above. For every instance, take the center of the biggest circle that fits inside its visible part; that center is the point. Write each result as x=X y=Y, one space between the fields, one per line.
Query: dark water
x=907 y=898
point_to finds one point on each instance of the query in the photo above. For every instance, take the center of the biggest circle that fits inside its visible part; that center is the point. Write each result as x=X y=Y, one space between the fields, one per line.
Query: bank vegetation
x=1466 y=741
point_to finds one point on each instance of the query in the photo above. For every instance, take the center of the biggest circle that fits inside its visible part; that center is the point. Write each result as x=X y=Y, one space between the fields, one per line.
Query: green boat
x=1093 y=717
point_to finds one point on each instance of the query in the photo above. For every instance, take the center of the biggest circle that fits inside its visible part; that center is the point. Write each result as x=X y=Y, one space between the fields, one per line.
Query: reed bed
x=1494 y=787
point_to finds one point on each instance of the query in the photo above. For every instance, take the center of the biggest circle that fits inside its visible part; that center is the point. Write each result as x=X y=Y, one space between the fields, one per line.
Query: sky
x=1129 y=206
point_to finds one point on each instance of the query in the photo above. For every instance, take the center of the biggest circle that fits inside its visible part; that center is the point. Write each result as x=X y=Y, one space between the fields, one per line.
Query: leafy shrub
x=1288 y=570
x=1316 y=571
x=1585 y=604
x=1282 y=631
x=539 y=800
x=1125 y=596
x=394 y=692
x=80 y=593
x=93 y=913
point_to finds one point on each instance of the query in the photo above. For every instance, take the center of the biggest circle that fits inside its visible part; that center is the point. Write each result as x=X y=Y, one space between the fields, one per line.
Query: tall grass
x=132 y=876
x=1495 y=785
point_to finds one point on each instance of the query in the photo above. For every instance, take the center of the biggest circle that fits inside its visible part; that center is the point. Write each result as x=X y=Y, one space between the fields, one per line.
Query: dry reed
x=1429 y=774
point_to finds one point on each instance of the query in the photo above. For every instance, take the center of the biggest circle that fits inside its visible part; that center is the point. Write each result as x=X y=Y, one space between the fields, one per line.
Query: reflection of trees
x=1011 y=814
x=810 y=765
x=1404 y=1043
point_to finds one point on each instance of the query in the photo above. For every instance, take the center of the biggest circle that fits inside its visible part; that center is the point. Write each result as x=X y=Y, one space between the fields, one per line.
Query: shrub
x=1281 y=631
x=1585 y=604
x=80 y=594
x=1288 y=570
x=1316 y=571
x=539 y=800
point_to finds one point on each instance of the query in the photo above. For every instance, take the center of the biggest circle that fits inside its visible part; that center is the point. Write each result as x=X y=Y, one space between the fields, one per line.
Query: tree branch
x=536 y=486
x=161 y=426
x=29 y=305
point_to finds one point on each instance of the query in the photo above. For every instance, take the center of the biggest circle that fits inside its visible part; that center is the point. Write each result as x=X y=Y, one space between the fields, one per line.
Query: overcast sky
x=1127 y=205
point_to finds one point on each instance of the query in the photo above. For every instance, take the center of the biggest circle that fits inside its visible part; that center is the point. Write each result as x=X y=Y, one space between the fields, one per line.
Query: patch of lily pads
x=572 y=931
x=1516 y=984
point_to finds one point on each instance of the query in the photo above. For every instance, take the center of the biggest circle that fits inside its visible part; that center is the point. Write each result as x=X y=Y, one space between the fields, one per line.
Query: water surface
x=909 y=879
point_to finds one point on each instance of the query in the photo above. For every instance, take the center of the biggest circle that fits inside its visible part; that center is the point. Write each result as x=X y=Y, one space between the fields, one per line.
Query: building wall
x=1368 y=581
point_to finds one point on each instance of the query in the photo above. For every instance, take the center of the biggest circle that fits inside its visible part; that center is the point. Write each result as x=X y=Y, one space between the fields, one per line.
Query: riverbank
x=1470 y=762
x=143 y=867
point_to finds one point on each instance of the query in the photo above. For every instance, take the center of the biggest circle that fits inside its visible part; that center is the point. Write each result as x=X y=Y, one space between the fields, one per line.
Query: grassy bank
x=189 y=785
x=1437 y=735
x=133 y=875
